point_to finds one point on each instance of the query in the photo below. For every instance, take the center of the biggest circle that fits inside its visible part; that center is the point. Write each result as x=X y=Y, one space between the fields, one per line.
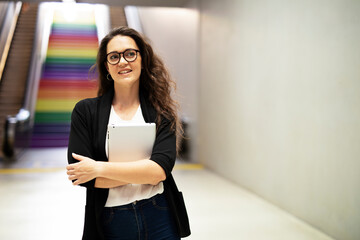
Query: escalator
x=15 y=74
x=64 y=48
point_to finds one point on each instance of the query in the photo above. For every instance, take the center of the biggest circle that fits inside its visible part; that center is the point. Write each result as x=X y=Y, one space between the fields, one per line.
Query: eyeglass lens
x=129 y=55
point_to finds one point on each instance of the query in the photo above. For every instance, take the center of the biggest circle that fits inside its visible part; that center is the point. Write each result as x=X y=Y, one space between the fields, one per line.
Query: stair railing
x=7 y=33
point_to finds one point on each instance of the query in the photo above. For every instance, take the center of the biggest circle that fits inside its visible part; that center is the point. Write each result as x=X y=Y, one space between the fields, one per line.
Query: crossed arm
x=83 y=170
x=113 y=174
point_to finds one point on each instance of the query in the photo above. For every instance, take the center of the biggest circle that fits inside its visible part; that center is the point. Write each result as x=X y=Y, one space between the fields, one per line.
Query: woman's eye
x=130 y=54
x=113 y=57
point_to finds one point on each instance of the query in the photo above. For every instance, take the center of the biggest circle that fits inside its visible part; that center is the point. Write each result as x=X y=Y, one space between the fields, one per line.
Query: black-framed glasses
x=129 y=55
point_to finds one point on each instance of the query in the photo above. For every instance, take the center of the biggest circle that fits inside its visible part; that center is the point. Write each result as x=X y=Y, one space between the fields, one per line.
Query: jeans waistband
x=138 y=202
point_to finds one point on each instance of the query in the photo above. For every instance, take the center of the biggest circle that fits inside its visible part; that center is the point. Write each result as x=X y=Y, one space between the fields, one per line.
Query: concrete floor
x=38 y=202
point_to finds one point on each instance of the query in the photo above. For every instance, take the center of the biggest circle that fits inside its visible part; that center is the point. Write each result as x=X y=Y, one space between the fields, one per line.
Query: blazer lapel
x=148 y=111
x=103 y=114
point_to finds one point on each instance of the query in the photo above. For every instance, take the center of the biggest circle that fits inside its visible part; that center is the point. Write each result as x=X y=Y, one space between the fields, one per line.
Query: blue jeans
x=147 y=219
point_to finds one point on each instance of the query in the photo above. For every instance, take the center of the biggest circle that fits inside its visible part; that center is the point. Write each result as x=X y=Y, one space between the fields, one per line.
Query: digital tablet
x=130 y=142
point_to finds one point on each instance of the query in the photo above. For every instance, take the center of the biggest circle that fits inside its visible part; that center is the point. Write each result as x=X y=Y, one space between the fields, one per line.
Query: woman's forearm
x=143 y=171
x=138 y=172
x=101 y=182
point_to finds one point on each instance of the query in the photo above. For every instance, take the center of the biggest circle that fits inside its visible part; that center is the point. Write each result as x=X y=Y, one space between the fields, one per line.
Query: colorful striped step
x=65 y=79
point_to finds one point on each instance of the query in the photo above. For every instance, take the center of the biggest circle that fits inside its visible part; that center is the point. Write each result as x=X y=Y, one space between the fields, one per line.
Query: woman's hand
x=83 y=171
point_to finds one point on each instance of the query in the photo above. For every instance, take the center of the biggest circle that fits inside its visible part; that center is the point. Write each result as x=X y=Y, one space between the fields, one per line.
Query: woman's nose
x=122 y=60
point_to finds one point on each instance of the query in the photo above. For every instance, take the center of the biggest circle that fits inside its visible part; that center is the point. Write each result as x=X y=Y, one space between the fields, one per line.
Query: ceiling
x=158 y=3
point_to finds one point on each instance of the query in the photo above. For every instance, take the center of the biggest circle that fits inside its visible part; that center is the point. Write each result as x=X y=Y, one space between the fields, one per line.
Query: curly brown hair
x=154 y=79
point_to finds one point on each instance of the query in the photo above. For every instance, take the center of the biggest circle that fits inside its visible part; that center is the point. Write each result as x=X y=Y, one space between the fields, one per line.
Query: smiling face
x=124 y=72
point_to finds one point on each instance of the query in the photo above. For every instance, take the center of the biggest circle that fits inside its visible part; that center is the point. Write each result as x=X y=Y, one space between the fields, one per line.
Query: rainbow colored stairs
x=71 y=52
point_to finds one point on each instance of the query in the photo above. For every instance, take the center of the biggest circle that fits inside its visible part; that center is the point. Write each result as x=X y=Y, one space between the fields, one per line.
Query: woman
x=134 y=87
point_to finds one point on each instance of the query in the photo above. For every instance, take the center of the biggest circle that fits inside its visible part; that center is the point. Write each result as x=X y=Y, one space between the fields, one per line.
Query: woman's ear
x=107 y=68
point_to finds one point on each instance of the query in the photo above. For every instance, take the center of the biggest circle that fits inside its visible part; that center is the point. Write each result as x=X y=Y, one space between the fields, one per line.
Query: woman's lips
x=125 y=71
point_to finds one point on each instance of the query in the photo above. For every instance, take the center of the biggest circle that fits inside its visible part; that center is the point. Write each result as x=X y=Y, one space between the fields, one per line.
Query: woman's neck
x=126 y=96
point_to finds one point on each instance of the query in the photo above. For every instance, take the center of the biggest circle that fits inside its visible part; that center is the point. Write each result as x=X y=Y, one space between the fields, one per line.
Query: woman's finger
x=77 y=182
x=72 y=177
x=78 y=157
x=69 y=167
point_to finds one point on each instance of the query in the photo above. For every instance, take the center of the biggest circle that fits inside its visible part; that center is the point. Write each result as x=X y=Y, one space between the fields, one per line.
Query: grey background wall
x=274 y=97
x=174 y=33
x=279 y=104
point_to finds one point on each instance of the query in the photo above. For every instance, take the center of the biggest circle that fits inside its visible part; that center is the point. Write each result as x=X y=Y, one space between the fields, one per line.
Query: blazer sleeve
x=80 y=136
x=164 y=150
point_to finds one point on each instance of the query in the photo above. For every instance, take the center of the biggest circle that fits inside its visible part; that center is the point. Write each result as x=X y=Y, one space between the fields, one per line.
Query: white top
x=131 y=192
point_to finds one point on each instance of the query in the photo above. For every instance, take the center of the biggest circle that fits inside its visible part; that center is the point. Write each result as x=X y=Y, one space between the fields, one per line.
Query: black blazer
x=89 y=122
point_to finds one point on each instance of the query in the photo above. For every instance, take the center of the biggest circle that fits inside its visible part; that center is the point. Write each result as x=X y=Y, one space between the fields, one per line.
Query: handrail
x=9 y=137
x=9 y=38
x=12 y=124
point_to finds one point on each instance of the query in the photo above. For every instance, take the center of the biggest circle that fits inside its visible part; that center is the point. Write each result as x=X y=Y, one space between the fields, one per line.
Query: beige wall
x=174 y=34
x=279 y=104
